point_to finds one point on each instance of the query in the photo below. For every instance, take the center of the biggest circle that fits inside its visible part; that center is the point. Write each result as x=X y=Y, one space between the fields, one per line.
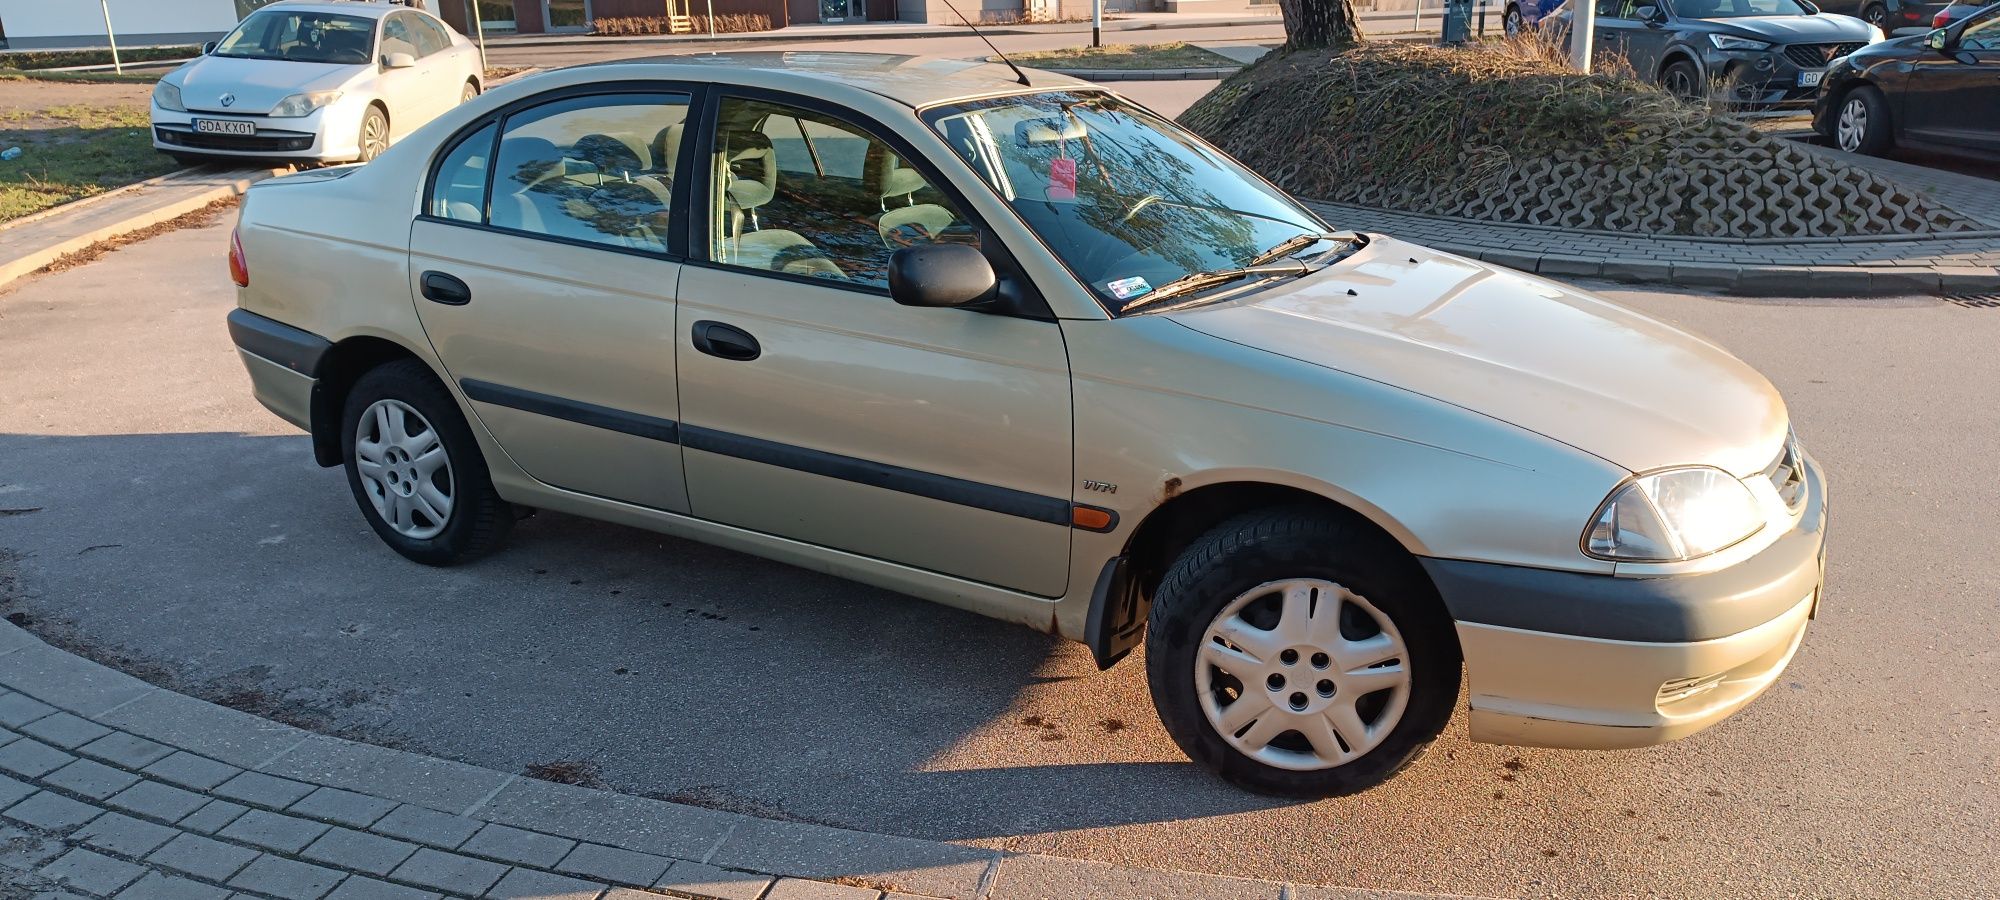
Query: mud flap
x=1117 y=615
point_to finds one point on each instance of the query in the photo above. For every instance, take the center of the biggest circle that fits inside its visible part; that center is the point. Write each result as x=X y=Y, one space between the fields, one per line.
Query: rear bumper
x=1557 y=659
x=283 y=363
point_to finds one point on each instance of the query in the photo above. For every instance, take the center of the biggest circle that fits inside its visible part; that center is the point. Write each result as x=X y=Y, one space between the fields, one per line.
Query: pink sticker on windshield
x=1062 y=179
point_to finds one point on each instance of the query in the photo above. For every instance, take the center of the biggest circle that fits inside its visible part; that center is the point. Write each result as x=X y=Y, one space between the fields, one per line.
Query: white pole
x=1582 y=28
x=1096 y=23
x=116 y=66
x=1417 y=15
x=711 y=18
x=479 y=28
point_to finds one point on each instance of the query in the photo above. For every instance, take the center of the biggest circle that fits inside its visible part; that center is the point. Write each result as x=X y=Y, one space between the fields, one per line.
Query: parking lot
x=154 y=517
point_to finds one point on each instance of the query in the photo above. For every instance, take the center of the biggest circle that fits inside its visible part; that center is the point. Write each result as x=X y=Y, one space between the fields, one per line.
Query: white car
x=317 y=81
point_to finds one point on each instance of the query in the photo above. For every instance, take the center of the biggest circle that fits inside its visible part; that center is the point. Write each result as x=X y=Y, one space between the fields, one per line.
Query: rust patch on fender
x=1170 y=489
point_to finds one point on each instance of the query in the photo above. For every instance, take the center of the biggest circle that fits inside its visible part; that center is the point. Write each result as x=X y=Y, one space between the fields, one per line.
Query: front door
x=815 y=408
x=550 y=299
x=1953 y=95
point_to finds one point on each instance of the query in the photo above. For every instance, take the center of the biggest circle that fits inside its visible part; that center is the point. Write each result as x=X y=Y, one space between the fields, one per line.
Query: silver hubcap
x=1302 y=674
x=404 y=469
x=374 y=140
x=1853 y=125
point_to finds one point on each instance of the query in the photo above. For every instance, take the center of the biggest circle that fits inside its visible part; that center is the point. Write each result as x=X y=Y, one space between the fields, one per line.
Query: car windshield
x=313 y=37
x=1129 y=201
x=1737 y=9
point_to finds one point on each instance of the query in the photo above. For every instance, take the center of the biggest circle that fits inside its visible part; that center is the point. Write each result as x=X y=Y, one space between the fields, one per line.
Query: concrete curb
x=116 y=786
x=35 y=259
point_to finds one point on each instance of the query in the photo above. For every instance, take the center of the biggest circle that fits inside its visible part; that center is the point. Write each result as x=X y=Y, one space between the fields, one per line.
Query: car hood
x=1579 y=370
x=1796 y=29
x=258 y=84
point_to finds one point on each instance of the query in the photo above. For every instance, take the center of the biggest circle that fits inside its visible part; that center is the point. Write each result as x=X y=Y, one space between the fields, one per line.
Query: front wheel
x=1299 y=654
x=1683 y=80
x=1512 y=22
x=374 y=133
x=415 y=468
x=467 y=93
x=1876 y=14
x=1862 y=125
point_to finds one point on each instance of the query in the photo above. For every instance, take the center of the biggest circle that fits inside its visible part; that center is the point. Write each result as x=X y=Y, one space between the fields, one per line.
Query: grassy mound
x=1508 y=133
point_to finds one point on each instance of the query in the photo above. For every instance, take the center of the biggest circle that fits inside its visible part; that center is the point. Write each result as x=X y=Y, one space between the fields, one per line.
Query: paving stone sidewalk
x=112 y=787
x=32 y=242
x=1965 y=263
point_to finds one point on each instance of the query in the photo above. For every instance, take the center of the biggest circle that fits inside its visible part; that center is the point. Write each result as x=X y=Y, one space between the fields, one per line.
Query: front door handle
x=726 y=341
x=441 y=288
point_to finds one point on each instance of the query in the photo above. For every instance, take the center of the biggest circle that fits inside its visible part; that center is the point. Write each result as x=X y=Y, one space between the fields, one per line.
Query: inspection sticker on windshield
x=1127 y=288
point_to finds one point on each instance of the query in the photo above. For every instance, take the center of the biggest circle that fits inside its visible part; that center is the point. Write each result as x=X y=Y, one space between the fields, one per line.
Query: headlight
x=1725 y=42
x=303 y=104
x=1673 y=515
x=1875 y=35
x=168 y=96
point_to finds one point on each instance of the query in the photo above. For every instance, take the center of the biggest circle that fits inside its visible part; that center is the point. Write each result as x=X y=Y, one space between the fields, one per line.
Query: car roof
x=371 y=9
x=915 y=81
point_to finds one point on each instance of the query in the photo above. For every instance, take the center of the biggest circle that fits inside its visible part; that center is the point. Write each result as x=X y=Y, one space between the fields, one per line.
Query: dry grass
x=735 y=23
x=195 y=219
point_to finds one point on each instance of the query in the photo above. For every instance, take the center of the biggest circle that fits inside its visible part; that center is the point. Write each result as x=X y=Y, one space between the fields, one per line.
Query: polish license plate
x=224 y=126
x=1810 y=79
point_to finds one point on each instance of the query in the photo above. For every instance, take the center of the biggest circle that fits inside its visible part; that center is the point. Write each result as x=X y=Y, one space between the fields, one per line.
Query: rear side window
x=597 y=169
x=459 y=193
x=430 y=36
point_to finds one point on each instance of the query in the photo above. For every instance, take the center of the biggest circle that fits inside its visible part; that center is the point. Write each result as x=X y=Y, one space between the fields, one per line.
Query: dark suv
x=1753 y=53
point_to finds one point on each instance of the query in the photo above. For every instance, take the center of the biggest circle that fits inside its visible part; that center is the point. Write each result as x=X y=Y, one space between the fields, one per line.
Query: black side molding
x=977 y=495
x=572 y=410
x=296 y=349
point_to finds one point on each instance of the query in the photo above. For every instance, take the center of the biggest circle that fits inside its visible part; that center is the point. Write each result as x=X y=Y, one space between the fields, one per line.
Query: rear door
x=546 y=283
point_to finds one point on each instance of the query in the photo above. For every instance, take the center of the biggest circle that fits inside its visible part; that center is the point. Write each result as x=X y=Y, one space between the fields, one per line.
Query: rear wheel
x=1862 y=125
x=468 y=92
x=1513 y=23
x=1300 y=654
x=415 y=468
x=374 y=133
x=1876 y=14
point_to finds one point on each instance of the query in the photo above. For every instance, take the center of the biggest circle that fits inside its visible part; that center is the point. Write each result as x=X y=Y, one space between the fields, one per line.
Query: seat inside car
x=598 y=192
x=748 y=169
x=904 y=221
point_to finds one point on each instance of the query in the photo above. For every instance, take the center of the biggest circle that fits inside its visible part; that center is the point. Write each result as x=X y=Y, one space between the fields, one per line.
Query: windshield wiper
x=1200 y=280
x=1294 y=244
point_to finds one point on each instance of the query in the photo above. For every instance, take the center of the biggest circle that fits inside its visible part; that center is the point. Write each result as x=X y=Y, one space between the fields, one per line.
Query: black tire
x=478 y=520
x=1682 y=79
x=1875 y=133
x=1875 y=14
x=1255 y=549
x=374 y=137
x=469 y=91
x=1512 y=23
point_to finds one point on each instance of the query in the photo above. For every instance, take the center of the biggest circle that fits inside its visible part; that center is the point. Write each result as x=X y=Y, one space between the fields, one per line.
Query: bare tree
x=1320 y=24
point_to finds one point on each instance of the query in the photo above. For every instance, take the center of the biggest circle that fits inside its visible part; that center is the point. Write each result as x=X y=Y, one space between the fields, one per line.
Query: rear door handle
x=725 y=341
x=441 y=288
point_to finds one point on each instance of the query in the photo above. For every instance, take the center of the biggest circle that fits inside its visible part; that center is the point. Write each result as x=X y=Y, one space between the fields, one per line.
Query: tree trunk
x=1319 y=24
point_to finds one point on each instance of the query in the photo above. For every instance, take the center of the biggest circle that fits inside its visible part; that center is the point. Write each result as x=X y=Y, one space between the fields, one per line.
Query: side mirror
x=1939 y=40
x=208 y=48
x=1649 y=13
x=1810 y=8
x=398 y=60
x=941 y=275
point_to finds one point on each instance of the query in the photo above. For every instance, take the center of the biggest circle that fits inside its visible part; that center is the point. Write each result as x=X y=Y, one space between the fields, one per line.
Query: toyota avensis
x=1036 y=352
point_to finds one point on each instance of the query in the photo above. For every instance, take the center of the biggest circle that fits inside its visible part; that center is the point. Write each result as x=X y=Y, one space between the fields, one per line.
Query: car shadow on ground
x=230 y=567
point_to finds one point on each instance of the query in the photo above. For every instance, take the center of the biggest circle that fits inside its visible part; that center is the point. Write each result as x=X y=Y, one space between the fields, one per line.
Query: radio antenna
x=1023 y=76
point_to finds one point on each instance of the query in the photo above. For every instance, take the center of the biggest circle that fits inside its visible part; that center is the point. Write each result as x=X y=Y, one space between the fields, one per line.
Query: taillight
x=239 y=267
x=1942 y=19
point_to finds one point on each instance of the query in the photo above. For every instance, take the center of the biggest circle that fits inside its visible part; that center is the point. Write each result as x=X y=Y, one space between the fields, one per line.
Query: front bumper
x=326 y=135
x=1559 y=659
x=1762 y=79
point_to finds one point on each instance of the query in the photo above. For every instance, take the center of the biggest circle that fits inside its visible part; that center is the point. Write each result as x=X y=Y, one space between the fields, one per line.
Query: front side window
x=398 y=36
x=430 y=36
x=597 y=169
x=313 y=37
x=1127 y=200
x=1982 y=35
x=804 y=193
